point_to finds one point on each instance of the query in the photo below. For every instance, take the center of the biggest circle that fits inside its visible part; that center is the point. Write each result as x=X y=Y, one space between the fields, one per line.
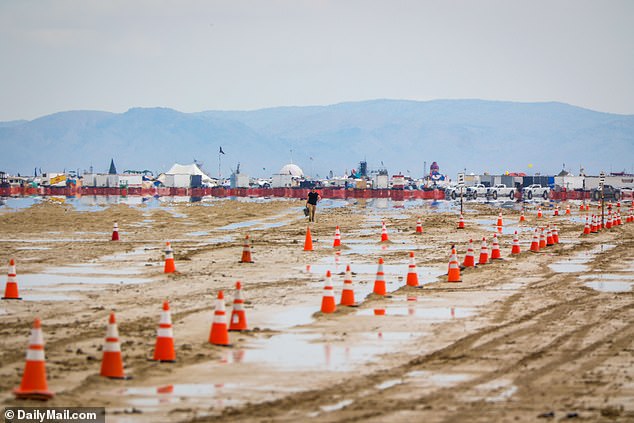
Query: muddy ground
x=516 y=340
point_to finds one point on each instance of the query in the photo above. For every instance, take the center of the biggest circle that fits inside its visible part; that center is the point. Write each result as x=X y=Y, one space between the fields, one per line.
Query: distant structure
x=113 y=169
x=434 y=173
x=288 y=176
x=292 y=169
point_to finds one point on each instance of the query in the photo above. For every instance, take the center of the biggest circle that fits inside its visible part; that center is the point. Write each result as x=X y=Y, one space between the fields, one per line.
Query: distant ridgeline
x=399 y=136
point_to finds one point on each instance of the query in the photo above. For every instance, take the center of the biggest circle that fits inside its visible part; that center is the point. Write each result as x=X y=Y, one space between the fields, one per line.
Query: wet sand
x=514 y=340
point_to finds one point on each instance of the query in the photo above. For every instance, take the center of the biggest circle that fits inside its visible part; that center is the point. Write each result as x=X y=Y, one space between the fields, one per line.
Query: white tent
x=190 y=169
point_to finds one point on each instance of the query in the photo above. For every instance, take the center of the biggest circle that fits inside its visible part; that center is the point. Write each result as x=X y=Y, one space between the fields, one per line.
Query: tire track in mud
x=565 y=337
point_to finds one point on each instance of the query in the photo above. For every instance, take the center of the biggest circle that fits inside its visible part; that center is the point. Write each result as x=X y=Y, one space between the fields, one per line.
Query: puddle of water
x=439 y=379
x=609 y=286
x=304 y=351
x=605 y=276
x=571 y=266
x=287 y=317
x=49 y=297
x=49 y=279
x=197 y=233
x=578 y=263
x=337 y=406
x=436 y=313
x=91 y=269
x=388 y=384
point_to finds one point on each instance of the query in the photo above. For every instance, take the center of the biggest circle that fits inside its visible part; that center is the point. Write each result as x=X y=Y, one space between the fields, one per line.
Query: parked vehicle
x=478 y=190
x=453 y=192
x=501 y=190
x=535 y=190
x=609 y=192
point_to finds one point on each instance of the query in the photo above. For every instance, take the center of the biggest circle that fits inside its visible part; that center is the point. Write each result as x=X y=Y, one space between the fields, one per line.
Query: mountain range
x=402 y=136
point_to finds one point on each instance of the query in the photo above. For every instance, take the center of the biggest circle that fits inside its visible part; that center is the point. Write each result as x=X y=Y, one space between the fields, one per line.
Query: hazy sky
x=233 y=54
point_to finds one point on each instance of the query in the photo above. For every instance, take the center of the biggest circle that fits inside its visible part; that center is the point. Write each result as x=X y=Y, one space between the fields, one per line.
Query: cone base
x=34 y=395
x=118 y=377
x=11 y=298
x=163 y=361
x=243 y=261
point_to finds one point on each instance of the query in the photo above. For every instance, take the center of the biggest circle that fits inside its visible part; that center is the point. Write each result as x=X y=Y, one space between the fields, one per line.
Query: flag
x=221 y=152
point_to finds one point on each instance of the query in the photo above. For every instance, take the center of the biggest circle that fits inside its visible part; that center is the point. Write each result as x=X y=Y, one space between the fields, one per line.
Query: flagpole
x=219 y=175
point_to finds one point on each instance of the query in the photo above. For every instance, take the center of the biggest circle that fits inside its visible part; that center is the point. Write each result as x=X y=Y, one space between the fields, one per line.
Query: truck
x=478 y=190
x=501 y=190
x=535 y=190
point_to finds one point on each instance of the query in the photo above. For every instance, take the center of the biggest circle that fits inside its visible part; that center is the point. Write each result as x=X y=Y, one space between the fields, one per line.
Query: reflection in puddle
x=306 y=351
x=436 y=313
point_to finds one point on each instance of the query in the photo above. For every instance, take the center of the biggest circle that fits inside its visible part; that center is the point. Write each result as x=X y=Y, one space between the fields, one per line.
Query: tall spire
x=113 y=170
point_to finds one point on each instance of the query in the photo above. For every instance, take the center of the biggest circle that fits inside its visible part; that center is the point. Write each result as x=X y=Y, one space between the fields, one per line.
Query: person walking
x=311 y=203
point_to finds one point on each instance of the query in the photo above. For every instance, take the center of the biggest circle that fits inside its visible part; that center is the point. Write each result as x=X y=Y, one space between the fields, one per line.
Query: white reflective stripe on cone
x=165 y=333
x=36 y=337
x=112 y=331
x=112 y=347
x=34 y=355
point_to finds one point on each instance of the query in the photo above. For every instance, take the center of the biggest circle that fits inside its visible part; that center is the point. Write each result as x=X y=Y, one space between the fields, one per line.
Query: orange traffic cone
x=555 y=234
x=495 y=248
x=169 y=259
x=337 y=242
x=539 y=212
x=112 y=363
x=328 y=299
x=453 y=274
x=586 y=228
x=515 y=249
x=246 y=251
x=11 y=288
x=238 y=320
x=115 y=232
x=219 y=334
x=412 y=276
x=594 y=227
x=34 y=385
x=608 y=222
x=542 y=239
x=469 y=259
x=419 y=226
x=549 y=237
x=379 y=282
x=535 y=243
x=484 y=252
x=499 y=222
x=581 y=207
x=522 y=218
x=347 y=295
x=164 y=348
x=461 y=222
x=556 y=213
x=384 y=237
x=308 y=243
x=568 y=209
